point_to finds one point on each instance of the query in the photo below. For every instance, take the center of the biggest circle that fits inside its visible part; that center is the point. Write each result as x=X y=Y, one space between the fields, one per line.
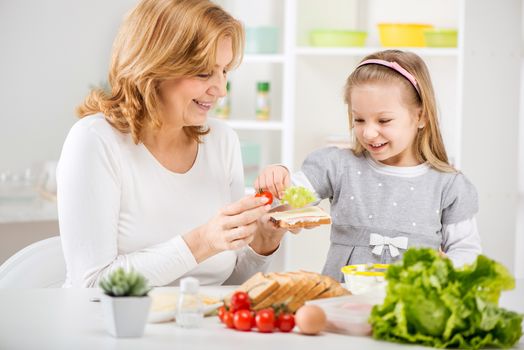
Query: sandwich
x=301 y=217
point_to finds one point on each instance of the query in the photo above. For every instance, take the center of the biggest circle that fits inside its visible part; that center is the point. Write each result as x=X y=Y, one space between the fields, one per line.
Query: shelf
x=255 y=125
x=363 y=51
x=263 y=58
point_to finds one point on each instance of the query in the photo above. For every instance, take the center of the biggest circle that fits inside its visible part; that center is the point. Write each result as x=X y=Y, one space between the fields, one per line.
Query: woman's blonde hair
x=429 y=146
x=160 y=40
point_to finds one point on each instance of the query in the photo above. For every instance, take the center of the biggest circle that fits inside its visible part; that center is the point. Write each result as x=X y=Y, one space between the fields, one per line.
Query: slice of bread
x=334 y=289
x=262 y=290
x=285 y=283
x=315 y=287
x=302 y=217
x=258 y=287
x=307 y=284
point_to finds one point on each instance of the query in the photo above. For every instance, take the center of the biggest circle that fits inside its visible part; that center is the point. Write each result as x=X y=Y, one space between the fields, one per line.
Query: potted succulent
x=125 y=303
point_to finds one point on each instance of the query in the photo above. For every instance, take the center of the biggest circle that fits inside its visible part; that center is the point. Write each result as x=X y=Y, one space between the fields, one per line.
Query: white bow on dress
x=394 y=243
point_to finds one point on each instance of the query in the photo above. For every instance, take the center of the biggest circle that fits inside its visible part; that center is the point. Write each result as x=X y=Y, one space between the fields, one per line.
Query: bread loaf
x=291 y=289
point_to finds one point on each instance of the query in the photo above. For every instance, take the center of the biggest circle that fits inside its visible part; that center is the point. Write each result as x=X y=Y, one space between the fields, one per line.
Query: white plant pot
x=126 y=316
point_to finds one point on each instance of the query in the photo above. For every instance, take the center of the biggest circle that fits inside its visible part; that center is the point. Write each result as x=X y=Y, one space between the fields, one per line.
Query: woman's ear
x=421 y=120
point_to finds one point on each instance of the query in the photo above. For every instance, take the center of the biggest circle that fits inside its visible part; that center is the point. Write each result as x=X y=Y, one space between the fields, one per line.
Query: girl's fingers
x=273 y=184
x=282 y=182
x=256 y=185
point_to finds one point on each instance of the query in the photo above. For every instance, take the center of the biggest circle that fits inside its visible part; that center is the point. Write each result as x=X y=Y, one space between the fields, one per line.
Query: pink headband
x=395 y=66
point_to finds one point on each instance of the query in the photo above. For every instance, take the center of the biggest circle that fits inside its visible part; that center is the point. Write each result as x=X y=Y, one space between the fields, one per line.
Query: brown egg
x=310 y=319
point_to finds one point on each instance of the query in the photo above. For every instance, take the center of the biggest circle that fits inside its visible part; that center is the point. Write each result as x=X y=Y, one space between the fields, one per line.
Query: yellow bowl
x=402 y=34
x=363 y=278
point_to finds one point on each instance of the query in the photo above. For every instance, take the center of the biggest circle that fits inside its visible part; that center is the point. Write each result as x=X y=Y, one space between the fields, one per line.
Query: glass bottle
x=223 y=106
x=262 y=106
x=189 y=312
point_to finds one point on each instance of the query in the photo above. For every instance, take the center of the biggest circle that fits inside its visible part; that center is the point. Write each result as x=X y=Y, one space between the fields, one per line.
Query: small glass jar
x=189 y=312
x=363 y=278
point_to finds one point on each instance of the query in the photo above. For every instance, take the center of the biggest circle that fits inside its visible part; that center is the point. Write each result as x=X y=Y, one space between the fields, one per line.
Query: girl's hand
x=232 y=228
x=275 y=179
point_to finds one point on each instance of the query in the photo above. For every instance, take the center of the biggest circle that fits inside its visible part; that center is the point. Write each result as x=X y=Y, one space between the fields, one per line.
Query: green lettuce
x=430 y=302
x=298 y=197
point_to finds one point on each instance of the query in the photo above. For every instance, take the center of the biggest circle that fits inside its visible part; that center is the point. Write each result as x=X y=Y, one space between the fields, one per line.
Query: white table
x=66 y=319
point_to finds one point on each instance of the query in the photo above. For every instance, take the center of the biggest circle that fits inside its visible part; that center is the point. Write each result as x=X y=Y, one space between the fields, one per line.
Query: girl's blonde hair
x=160 y=40
x=429 y=146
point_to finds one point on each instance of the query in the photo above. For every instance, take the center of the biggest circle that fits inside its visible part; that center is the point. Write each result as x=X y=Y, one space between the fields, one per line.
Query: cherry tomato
x=227 y=319
x=242 y=320
x=221 y=312
x=266 y=194
x=285 y=322
x=265 y=320
x=240 y=301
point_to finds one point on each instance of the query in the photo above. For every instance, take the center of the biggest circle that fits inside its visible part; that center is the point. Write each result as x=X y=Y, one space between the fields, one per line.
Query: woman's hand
x=232 y=228
x=269 y=235
x=275 y=179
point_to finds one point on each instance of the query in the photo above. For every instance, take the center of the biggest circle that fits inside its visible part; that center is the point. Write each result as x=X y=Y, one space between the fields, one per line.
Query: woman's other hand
x=275 y=179
x=269 y=235
x=232 y=228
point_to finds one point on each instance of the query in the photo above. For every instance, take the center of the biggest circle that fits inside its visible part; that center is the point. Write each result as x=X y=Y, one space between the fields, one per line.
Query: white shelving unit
x=278 y=69
x=471 y=112
x=255 y=125
x=363 y=51
x=269 y=58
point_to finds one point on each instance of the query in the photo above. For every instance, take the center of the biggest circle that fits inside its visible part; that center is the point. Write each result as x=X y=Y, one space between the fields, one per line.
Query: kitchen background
x=53 y=51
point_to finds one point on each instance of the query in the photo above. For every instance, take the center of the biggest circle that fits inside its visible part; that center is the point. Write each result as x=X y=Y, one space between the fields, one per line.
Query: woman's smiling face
x=186 y=101
x=384 y=124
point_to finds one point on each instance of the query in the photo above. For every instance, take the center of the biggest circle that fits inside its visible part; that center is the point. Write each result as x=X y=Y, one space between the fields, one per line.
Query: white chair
x=39 y=265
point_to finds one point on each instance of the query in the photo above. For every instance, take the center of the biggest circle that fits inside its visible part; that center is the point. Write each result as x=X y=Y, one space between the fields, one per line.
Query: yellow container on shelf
x=364 y=278
x=402 y=34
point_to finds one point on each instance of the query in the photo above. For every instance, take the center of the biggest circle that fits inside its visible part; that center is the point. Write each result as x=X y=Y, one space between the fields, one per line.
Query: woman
x=143 y=170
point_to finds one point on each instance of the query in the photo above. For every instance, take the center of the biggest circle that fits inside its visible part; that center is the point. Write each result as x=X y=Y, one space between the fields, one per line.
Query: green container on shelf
x=251 y=154
x=261 y=40
x=337 y=38
x=441 y=37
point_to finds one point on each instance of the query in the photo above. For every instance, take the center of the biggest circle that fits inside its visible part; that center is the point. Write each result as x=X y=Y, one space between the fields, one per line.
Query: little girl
x=395 y=189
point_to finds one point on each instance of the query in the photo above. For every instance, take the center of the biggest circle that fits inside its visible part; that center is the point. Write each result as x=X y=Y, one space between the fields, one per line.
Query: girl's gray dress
x=376 y=215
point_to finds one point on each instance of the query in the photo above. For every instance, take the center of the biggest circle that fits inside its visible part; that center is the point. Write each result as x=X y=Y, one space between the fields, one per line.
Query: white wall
x=50 y=53
x=490 y=114
x=519 y=239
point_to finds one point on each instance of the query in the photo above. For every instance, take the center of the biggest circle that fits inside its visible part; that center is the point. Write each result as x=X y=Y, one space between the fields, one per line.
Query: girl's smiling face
x=384 y=124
